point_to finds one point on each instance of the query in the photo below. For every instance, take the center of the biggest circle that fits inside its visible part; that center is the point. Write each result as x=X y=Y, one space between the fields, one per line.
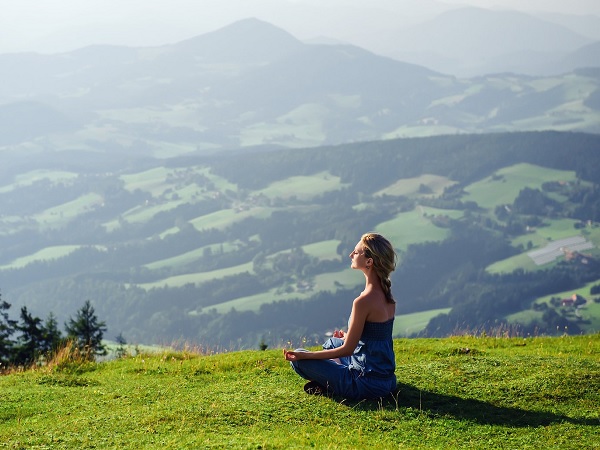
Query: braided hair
x=381 y=251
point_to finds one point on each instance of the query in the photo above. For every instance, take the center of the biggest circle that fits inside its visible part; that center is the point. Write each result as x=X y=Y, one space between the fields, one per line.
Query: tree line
x=30 y=340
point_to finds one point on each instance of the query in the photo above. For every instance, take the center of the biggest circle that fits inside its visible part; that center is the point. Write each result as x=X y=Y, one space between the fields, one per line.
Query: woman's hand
x=339 y=334
x=293 y=356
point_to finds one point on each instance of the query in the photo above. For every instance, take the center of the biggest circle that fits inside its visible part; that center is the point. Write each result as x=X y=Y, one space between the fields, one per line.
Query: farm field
x=504 y=186
x=588 y=313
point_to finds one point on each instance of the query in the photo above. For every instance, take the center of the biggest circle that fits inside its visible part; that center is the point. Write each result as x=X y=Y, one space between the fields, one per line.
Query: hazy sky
x=50 y=26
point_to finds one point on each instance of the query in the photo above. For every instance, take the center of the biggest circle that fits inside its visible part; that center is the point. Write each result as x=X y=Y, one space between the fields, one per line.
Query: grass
x=28 y=178
x=411 y=227
x=409 y=187
x=458 y=392
x=554 y=230
x=303 y=187
x=60 y=215
x=198 y=277
x=505 y=185
x=589 y=313
x=46 y=254
x=407 y=324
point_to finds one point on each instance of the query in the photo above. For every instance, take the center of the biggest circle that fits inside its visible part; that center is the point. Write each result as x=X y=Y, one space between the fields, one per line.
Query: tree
x=7 y=328
x=29 y=343
x=87 y=331
x=121 y=350
x=52 y=336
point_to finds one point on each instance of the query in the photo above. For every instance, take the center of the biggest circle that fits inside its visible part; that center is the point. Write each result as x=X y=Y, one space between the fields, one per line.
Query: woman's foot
x=314 y=388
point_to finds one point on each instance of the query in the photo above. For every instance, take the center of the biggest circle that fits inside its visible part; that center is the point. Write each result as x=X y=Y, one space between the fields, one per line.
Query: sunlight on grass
x=508 y=265
x=226 y=217
x=589 y=313
x=504 y=187
x=408 y=324
x=33 y=176
x=46 y=254
x=410 y=187
x=301 y=127
x=411 y=227
x=323 y=250
x=198 y=277
x=458 y=392
x=191 y=256
x=302 y=187
x=60 y=215
x=332 y=281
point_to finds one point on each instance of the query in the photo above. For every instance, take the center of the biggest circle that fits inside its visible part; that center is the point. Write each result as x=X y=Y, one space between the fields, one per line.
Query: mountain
x=472 y=41
x=247 y=41
x=585 y=25
x=586 y=56
x=25 y=120
x=252 y=83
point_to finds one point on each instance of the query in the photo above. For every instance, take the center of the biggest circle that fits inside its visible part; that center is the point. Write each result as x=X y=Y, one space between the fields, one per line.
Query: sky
x=54 y=26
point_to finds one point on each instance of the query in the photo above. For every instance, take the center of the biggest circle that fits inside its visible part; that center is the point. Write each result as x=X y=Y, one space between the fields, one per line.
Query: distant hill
x=22 y=121
x=472 y=41
x=251 y=84
x=586 y=56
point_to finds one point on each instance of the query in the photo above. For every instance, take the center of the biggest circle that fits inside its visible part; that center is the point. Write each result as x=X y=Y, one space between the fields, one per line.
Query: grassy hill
x=458 y=392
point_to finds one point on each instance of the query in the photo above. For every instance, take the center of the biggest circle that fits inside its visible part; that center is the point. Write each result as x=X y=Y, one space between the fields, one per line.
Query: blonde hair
x=381 y=251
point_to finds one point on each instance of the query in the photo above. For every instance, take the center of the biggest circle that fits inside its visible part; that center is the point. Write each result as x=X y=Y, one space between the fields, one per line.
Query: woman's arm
x=358 y=317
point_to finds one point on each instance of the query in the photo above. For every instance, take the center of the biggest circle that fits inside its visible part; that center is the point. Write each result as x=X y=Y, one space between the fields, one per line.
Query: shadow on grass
x=435 y=405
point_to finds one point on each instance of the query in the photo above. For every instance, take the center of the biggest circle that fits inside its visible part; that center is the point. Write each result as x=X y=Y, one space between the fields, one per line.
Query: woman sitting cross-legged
x=359 y=363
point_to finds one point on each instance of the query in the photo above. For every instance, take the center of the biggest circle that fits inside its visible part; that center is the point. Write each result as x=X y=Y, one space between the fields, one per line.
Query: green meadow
x=453 y=393
x=302 y=187
x=410 y=187
x=504 y=186
x=46 y=254
x=414 y=227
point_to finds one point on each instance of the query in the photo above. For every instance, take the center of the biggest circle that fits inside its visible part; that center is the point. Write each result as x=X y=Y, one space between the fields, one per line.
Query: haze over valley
x=204 y=181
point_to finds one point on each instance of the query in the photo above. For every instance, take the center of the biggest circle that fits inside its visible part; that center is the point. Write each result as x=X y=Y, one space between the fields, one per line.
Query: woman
x=359 y=363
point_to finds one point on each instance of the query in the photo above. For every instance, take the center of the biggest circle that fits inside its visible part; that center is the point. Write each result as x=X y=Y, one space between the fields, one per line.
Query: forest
x=218 y=224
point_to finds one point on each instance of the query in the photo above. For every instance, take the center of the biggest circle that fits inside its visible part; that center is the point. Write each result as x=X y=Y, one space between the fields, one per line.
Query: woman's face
x=358 y=256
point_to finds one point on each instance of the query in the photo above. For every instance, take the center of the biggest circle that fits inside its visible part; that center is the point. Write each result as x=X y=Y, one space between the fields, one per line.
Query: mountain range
x=473 y=41
x=254 y=84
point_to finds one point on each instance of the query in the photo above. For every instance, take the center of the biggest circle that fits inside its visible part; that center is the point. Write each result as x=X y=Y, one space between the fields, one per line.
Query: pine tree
x=52 y=338
x=7 y=328
x=28 y=345
x=87 y=331
x=121 y=350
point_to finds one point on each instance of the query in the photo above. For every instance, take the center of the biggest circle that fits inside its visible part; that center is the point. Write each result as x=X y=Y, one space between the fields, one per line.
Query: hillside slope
x=458 y=392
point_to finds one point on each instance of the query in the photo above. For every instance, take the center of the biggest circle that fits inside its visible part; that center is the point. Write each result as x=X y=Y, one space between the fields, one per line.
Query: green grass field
x=409 y=187
x=413 y=227
x=302 y=187
x=589 y=313
x=28 y=178
x=539 y=238
x=191 y=256
x=58 y=216
x=453 y=393
x=504 y=187
x=198 y=277
x=407 y=324
x=46 y=254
